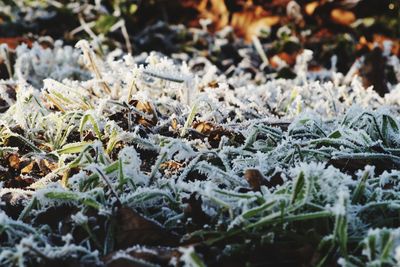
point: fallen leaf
(49, 165)
(171, 166)
(255, 179)
(135, 229)
(203, 127)
(174, 124)
(14, 161)
(310, 7)
(216, 11)
(257, 26)
(343, 17)
(28, 168)
(146, 108)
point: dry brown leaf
(203, 127)
(310, 7)
(343, 17)
(28, 168)
(213, 84)
(174, 124)
(135, 229)
(46, 165)
(216, 11)
(147, 108)
(247, 23)
(14, 161)
(256, 27)
(171, 165)
(255, 179)
(144, 106)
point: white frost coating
(131, 165)
(341, 206)
(329, 183)
(36, 64)
(187, 257)
(80, 218)
(397, 255)
(213, 175)
(301, 67)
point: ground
(199, 133)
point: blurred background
(338, 32)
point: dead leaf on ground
(216, 11)
(215, 132)
(174, 124)
(40, 167)
(147, 108)
(250, 23)
(343, 17)
(255, 179)
(14, 161)
(310, 7)
(134, 229)
(19, 181)
(172, 165)
(203, 127)
(28, 168)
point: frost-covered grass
(303, 168)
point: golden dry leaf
(216, 11)
(343, 17)
(46, 164)
(213, 84)
(171, 165)
(174, 124)
(146, 108)
(252, 21)
(256, 27)
(28, 168)
(14, 161)
(247, 23)
(310, 7)
(203, 127)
